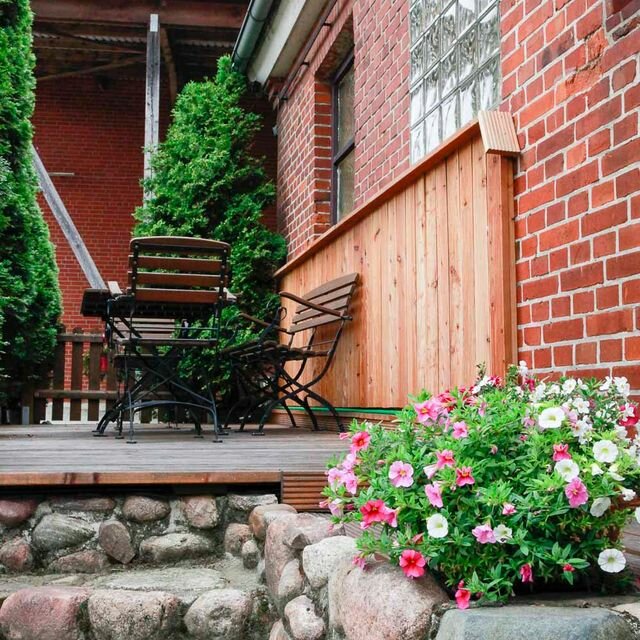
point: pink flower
(336, 507)
(462, 596)
(561, 452)
(334, 477)
(428, 411)
(412, 563)
(576, 492)
(390, 516)
(484, 534)
(508, 509)
(445, 459)
(464, 476)
(493, 449)
(401, 474)
(568, 568)
(446, 399)
(482, 409)
(372, 511)
(360, 441)
(434, 494)
(350, 482)
(349, 462)
(345, 435)
(359, 561)
(430, 470)
(460, 430)
(526, 573)
(418, 538)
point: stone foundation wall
(238, 567)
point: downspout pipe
(250, 31)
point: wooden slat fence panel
(436, 293)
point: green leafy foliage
(29, 294)
(207, 183)
(497, 487)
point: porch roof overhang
(273, 35)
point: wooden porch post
(152, 105)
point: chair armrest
(311, 305)
(262, 323)
(114, 288)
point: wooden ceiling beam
(101, 68)
(185, 13)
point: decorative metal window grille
(455, 67)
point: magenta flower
(460, 430)
(390, 516)
(430, 470)
(445, 459)
(412, 563)
(401, 474)
(526, 573)
(482, 409)
(568, 568)
(462, 596)
(508, 509)
(576, 492)
(464, 476)
(360, 441)
(428, 411)
(434, 494)
(360, 561)
(372, 511)
(484, 534)
(561, 452)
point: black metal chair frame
(262, 367)
(149, 363)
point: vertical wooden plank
(481, 255)
(429, 285)
(95, 351)
(57, 408)
(76, 374)
(456, 265)
(413, 225)
(511, 322)
(375, 349)
(466, 261)
(444, 344)
(404, 299)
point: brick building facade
(570, 79)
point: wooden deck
(63, 455)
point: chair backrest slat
(169, 263)
(335, 295)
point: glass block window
(455, 67)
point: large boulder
(201, 512)
(262, 516)
(115, 539)
(241, 505)
(134, 615)
(235, 536)
(96, 504)
(250, 554)
(381, 603)
(43, 613)
(56, 531)
(301, 618)
(16, 555)
(308, 529)
(276, 553)
(319, 560)
(145, 509)
(175, 546)
(290, 585)
(278, 632)
(89, 561)
(534, 623)
(220, 614)
(15, 512)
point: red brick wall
(381, 53)
(570, 78)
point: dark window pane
(345, 109)
(344, 186)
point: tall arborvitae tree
(207, 183)
(29, 292)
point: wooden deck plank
(70, 455)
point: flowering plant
(497, 484)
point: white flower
(539, 392)
(567, 469)
(613, 472)
(554, 389)
(606, 385)
(622, 386)
(596, 470)
(637, 512)
(611, 560)
(627, 494)
(437, 526)
(580, 405)
(581, 385)
(551, 418)
(581, 429)
(502, 533)
(605, 451)
(523, 369)
(599, 506)
(621, 433)
(568, 386)
(519, 391)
